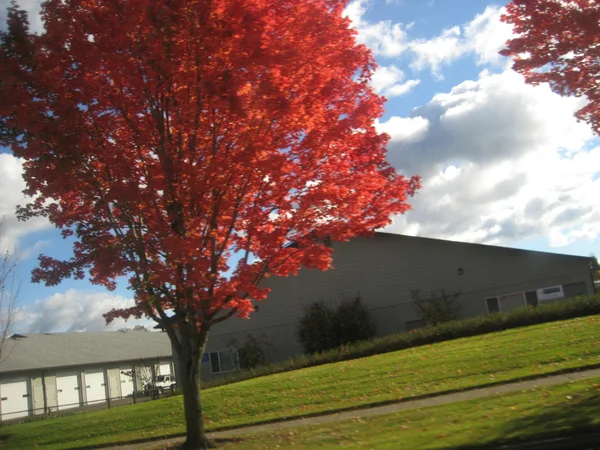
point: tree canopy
(184, 144)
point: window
(504, 303)
(224, 361)
(550, 293)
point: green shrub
(546, 312)
(322, 327)
(315, 329)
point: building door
(114, 383)
(15, 399)
(95, 387)
(126, 381)
(37, 401)
(68, 391)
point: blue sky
(502, 163)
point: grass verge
(540, 413)
(427, 370)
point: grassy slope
(563, 410)
(459, 364)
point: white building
(59, 371)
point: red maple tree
(185, 143)
(558, 42)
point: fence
(81, 406)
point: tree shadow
(150, 443)
(571, 425)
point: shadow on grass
(571, 425)
(154, 443)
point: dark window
(215, 367)
(531, 298)
(243, 357)
(224, 361)
(551, 290)
(492, 304)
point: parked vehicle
(161, 383)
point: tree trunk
(192, 349)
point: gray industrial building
(52, 372)
(383, 270)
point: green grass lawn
(447, 366)
(546, 412)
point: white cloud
(355, 10)
(501, 161)
(12, 186)
(389, 81)
(34, 249)
(74, 310)
(486, 35)
(482, 38)
(401, 89)
(433, 53)
(384, 38)
(404, 129)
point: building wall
(383, 270)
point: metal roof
(52, 350)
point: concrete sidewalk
(442, 399)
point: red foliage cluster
(558, 42)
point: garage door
(164, 369)
(67, 391)
(126, 382)
(15, 399)
(94, 387)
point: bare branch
(9, 288)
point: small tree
(323, 327)
(594, 268)
(438, 307)
(9, 288)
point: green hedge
(324, 327)
(547, 312)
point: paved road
(443, 399)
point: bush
(252, 352)
(546, 312)
(322, 327)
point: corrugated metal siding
(383, 269)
